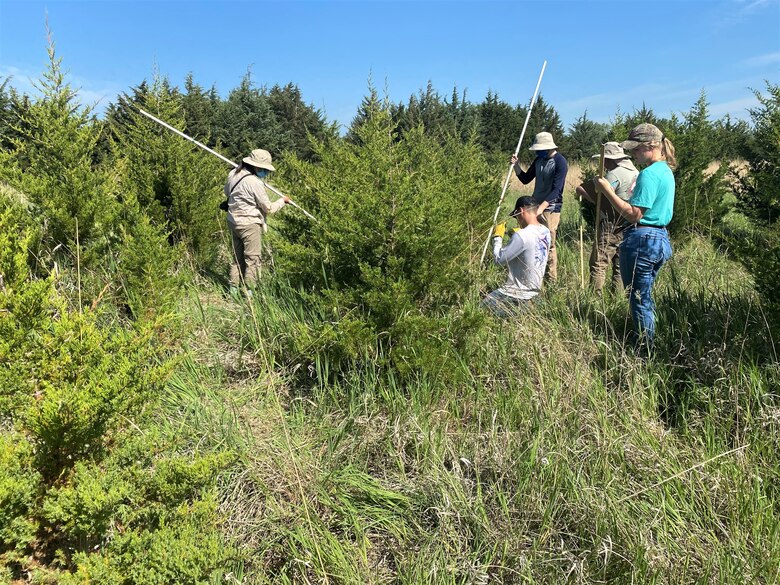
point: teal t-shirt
(654, 192)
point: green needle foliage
(57, 137)
(171, 180)
(360, 419)
(400, 220)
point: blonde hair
(667, 151)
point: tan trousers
(604, 253)
(552, 220)
(246, 263)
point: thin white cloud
(88, 93)
(761, 60)
(749, 7)
(737, 11)
(735, 108)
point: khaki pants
(604, 253)
(246, 253)
(552, 220)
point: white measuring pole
(509, 174)
(227, 160)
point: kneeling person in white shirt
(525, 257)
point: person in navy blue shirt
(549, 170)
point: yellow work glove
(500, 230)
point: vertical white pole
(509, 174)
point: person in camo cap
(646, 246)
(621, 175)
(549, 170)
(248, 207)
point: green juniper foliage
(699, 196)
(400, 219)
(83, 488)
(57, 137)
(584, 139)
(173, 181)
(758, 195)
(360, 419)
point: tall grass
(549, 455)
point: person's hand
(287, 199)
(514, 159)
(600, 183)
(500, 230)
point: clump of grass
(550, 455)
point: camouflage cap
(642, 134)
(612, 150)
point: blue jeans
(642, 253)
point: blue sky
(602, 55)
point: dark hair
(524, 202)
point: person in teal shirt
(646, 246)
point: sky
(602, 55)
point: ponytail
(667, 150)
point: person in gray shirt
(621, 174)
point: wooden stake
(598, 195)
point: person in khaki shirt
(248, 207)
(621, 175)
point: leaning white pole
(183, 135)
(215, 153)
(293, 203)
(509, 174)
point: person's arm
(502, 255)
(524, 176)
(559, 179)
(587, 191)
(624, 208)
(264, 202)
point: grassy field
(543, 451)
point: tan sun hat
(260, 159)
(642, 134)
(612, 150)
(543, 141)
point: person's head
(544, 145)
(613, 154)
(525, 211)
(258, 162)
(647, 144)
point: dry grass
(553, 461)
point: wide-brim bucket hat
(543, 141)
(642, 134)
(612, 150)
(260, 159)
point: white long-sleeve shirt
(525, 257)
(248, 201)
